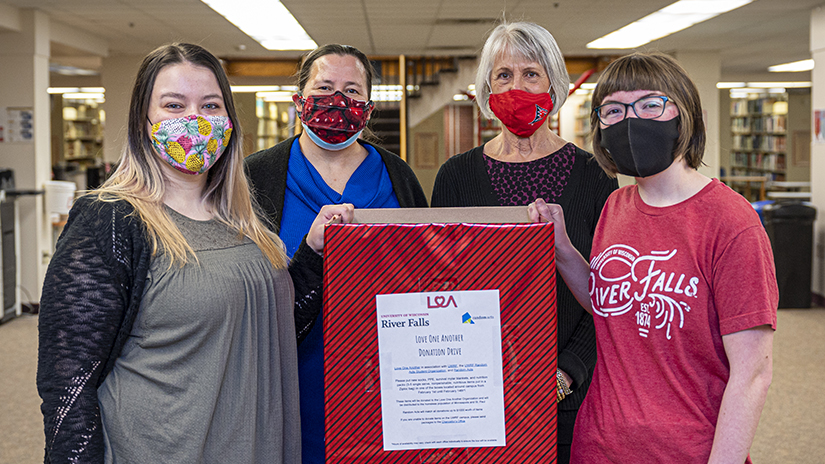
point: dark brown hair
(659, 72)
(305, 71)
(335, 49)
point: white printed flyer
(441, 370)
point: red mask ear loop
(299, 99)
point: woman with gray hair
(522, 80)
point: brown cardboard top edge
(465, 215)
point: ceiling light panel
(796, 66)
(672, 18)
(266, 21)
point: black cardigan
(91, 295)
(463, 181)
(267, 169)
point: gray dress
(209, 373)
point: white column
(24, 73)
(818, 149)
(705, 69)
(118, 77)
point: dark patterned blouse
(518, 184)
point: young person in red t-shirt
(681, 283)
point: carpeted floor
(21, 425)
(791, 429)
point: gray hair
(532, 42)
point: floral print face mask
(192, 144)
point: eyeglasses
(646, 108)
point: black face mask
(641, 147)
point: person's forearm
(307, 273)
(577, 357)
(738, 418)
(741, 407)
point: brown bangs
(656, 72)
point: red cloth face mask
(520, 111)
(334, 118)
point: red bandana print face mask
(334, 118)
(521, 112)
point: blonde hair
(139, 177)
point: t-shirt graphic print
(640, 284)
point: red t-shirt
(666, 284)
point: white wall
(818, 149)
(118, 77)
(24, 72)
(9, 18)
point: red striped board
(365, 260)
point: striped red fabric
(364, 260)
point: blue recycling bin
(759, 206)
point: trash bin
(59, 196)
(790, 230)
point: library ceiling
(763, 33)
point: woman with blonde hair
(166, 326)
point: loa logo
(441, 302)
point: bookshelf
(83, 131)
(759, 145)
(582, 129)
